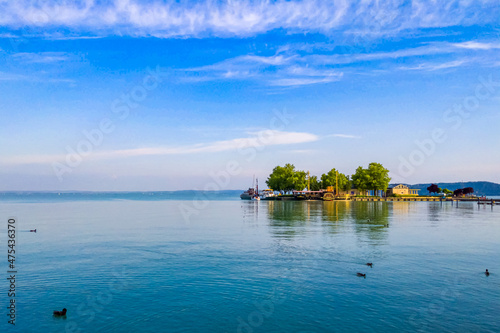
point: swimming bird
(60, 313)
(361, 274)
(34, 230)
(487, 273)
(369, 264)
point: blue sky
(168, 95)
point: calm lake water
(166, 265)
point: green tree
(348, 184)
(378, 177)
(315, 183)
(278, 180)
(299, 181)
(330, 179)
(375, 178)
(361, 179)
(446, 191)
(286, 178)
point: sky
(125, 95)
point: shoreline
(389, 199)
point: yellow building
(402, 190)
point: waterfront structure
(401, 190)
(354, 191)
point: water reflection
(291, 218)
(336, 211)
(250, 211)
(371, 219)
(433, 210)
(371, 213)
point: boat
(251, 193)
(267, 194)
(248, 194)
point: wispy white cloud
(42, 57)
(287, 71)
(303, 81)
(345, 136)
(257, 139)
(33, 77)
(8, 35)
(248, 62)
(13, 77)
(324, 54)
(275, 60)
(437, 66)
(305, 64)
(243, 17)
(430, 49)
(475, 45)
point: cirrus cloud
(241, 18)
(257, 139)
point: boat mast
(308, 181)
(336, 182)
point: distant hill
(480, 188)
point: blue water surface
(208, 265)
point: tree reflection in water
(293, 218)
(371, 218)
(289, 218)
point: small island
(366, 184)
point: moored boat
(267, 194)
(248, 194)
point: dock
(488, 202)
(330, 196)
(397, 199)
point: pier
(397, 199)
(330, 196)
(488, 202)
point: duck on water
(60, 313)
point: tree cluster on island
(463, 191)
(458, 192)
(286, 178)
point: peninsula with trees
(371, 182)
(374, 178)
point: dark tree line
(434, 189)
(463, 191)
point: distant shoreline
(481, 188)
